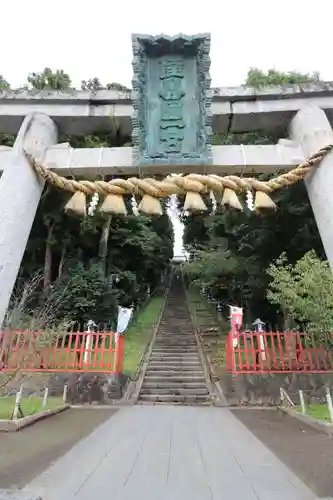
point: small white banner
(236, 310)
(124, 316)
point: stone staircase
(175, 373)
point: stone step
(174, 340)
(174, 379)
(176, 320)
(168, 347)
(174, 353)
(175, 350)
(174, 332)
(171, 336)
(175, 368)
(175, 373)
(167, 344)
(176, 347)
(178, 362)
(173, 403)
(177, 391)
(171, 385)
(174, 398)
(176, 327)
(175, 335)
(179, 343)
(173, 314)
(177, 358)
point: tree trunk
(289, 339)
(62, 261)
(103, 243)
(48, 260)
(286, 320)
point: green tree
(117, 86)
(86, 294)
(80, 258)
(305, 291)
(257, 78)
(92, 84)
(4, 85)
(50, 80)
(245, 243)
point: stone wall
(264, 389)
(83, 388)
(89, 388)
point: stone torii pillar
(20, 192)
(312, 130)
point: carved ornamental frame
(201, 45)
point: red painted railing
(69, 352)
(275, 352)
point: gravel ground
(306, 451)
(27, 453)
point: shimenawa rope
(192, 185)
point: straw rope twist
(196, 183)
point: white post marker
(17, 403)
(46, 394)
(301, 398)
(64, 394)
(89, 341)
(260, 328)
(116, 335)
(262, 347)
(329, 403)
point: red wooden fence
(74, 351)
(277, 352)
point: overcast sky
(93, 38)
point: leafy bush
(305, 291)
(86, 293)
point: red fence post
(227, 352)
(119, 355)
(230, 353)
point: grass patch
(201, 313)
(139, 334)
(205, 318)
(319, 412)
(29, 405)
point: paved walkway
(170, 453)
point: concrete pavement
(170, 452)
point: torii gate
(173, 107)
